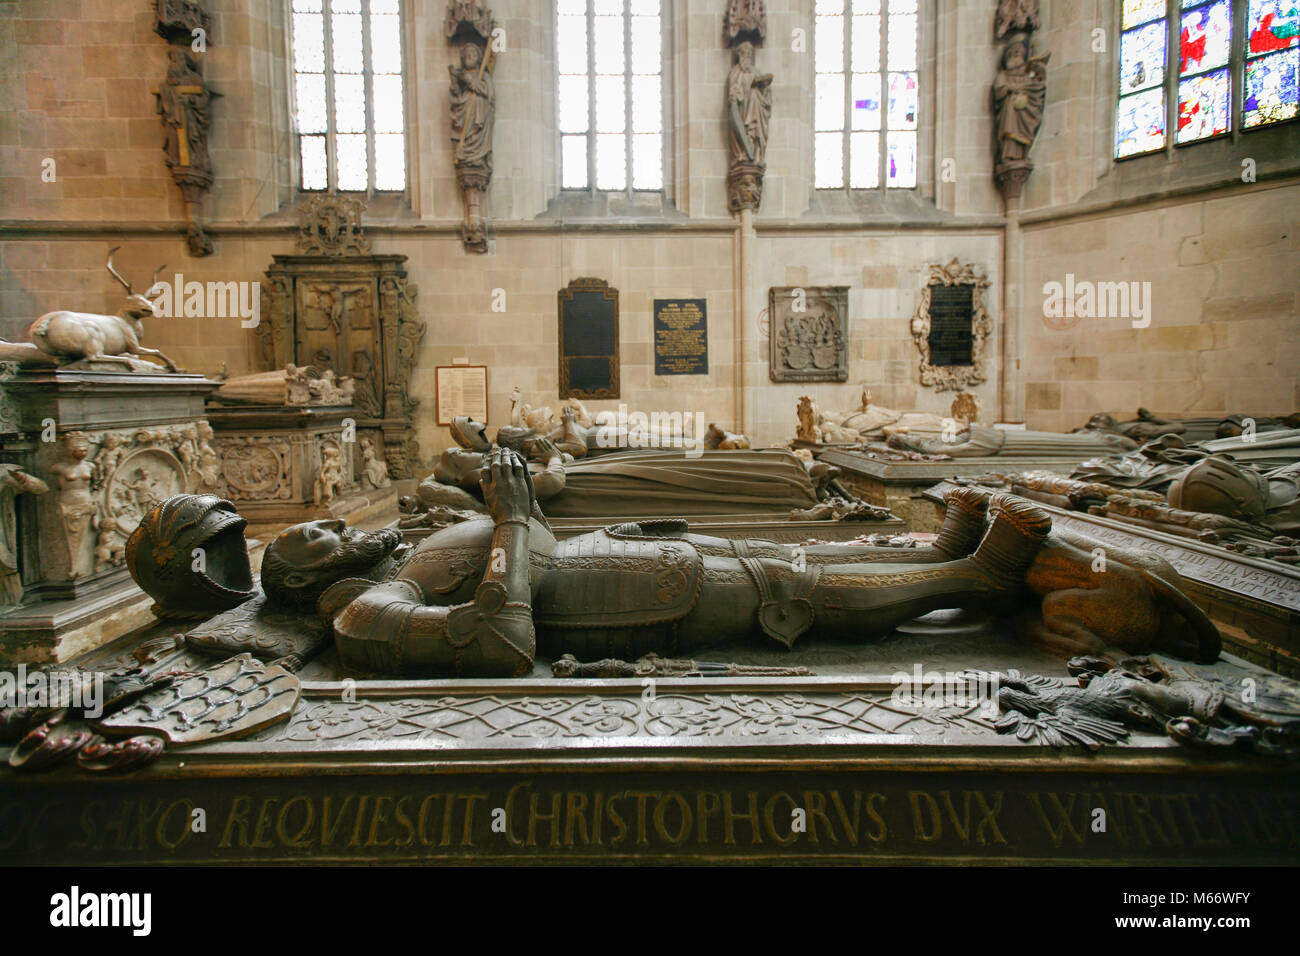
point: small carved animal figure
(1096, 599)
(719, 438)
(77, 335)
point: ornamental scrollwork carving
(331, 226)
(954, 377)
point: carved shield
(230, 699)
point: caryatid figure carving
(473, 110)
(1019, 92)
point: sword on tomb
(652, 665)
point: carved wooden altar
(336, 306)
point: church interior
(650, 430)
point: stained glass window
(348, 92)
(1272, 62)
(1181, 68)
(865, 101)
(610, 94)
(1140, 116)
(1204, 44)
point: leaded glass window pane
(883, 93)
(611, 71)
(350, 106)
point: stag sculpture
(69, 336)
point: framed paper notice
(462, 390)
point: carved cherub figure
(330, 477)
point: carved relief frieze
(256, 468)
(106, 481)
(954, 377)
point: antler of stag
(116, 275)
(152, 292)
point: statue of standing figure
(749, 112)
(185, 104)
(473, 110)
(74, 474)
(1019, 92)
(13, 482)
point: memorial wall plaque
(809, 334)
(951, 326)
(461, 390)
(588, 340)
(952, 307)
(681, 337)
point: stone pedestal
(108, 446)
(271, 458)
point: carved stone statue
(1019, 92)
(374, 470)
(13, 482)
(72, 336)
(976, 441)
(73, 474)
(473, 110)
(185, 104)
(330, 477)
(749, 112)
(808, 429)
(481, 597)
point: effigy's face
(307, 544)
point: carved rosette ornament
(473, 111)
(749, 104)
(954, 377)
(185, 105)
(1019, 93)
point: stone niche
(356, 315)
(105, 446)
(809, 333)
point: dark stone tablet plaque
(681, 337)
(588, 339)
(952, 312)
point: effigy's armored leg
(853, 601)
(963, 523)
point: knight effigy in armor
(482, 598)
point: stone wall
(1220, 253)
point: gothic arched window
(350, 107)
(868, 94)
(1202, 67)
(609, 57)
